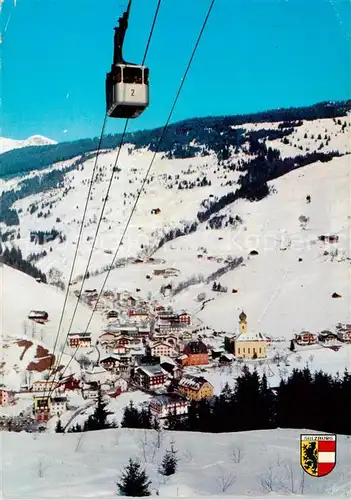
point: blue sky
(254, 55)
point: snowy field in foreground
(88, 465)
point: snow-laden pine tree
(169, 462)
(134, 481)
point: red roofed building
(196, 354)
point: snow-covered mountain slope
(292, 266)
(246, 464)
(280, 293)
(62, 208)
(7, 144)
(19, 294)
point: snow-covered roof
(167, 359)
(250, 337)
(192, 382)
(151, 370)
(167, 399)
(115, 358)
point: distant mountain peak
(7, 144)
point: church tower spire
(243, 322)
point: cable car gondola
(127, 84)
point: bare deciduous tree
(269, 481)
(160, 434)
(143, 445)
(225, 481)
(299, 485)
(236, 454)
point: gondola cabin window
(132, 75)
(117, 76)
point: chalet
(124, 359)
(144, 331)
(42, 407)
(139, 314)
(82, 339)
(43, 385)
(148, 358)
(150, 377)
(124, 340)
(128, 330)
(90, 390)
(58, 405)
(343, 332)
(170, 340)
(216, 353)
(107, 338)
(112, 314)
(168, 404)
(226, 358)
(161, 349)
(171, 368)
(110, 362)
(131, 301)
(249, 345)
(6, 396)
(170, 271)
(183, 318)
(38, 315)
(331, 238)
(122, 383)
(166, 273)
(328, 337)
(195, 388)
(121, 349)
(196, 354)
(305, 338)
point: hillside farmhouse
(82, 339)
(38, 315)
(305, 338)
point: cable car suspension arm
(120, 33)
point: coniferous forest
(13, 257)
(215, 133)
(304, 400)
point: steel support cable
(78, 242)
(104, 203)
(147, 173)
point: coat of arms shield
(318, 453)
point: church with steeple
(248, 344)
